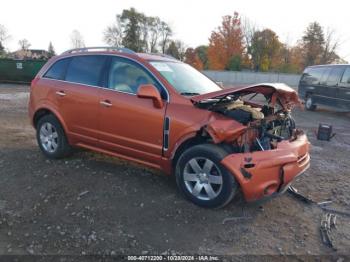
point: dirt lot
(92, 204)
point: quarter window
(325, 75)
(57, 70)
(346, 76)
(312, 76)
(86, 70)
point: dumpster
(19, 71)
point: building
(36, 54)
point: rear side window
(86, 70)
(335, 76)
(58, 69)
(346, 76)
(312, 76)
(325, 75)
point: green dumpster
(19, 71)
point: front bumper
(264, 173)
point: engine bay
(266, 120)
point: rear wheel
(203, 179)
(51, 137)
(309, 103)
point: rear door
(78, 95)
(343, 90)
(322, 95)
(331, 86)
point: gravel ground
(90, 204)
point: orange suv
(162, 113)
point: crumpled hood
(287, 96)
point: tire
(202, 179)
(51, 138)
(309, 103)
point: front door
(130, 126)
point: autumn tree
(77, 40)
(202, 52)
(191, 57)
(24, 44)
(265, 49)
(51, 50)
(296, 59)
(225, 43)
(289, 59)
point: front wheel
(203, 179)
(309, 103)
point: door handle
(60, 93)
(106, 103)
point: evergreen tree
(313, 44)
(51, 50)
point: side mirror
(150, 91)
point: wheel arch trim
(51, 110)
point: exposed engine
(266, 133)
(266, 125)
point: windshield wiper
(189, 94)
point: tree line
(236, 44)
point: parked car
(162, 113)
(325, 85)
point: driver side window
(125, 76)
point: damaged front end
(254, 124)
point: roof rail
(94, 48)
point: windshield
(185, 79)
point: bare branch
(77, 40)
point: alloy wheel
(202, 178)
(48, 137)
(308, 102)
